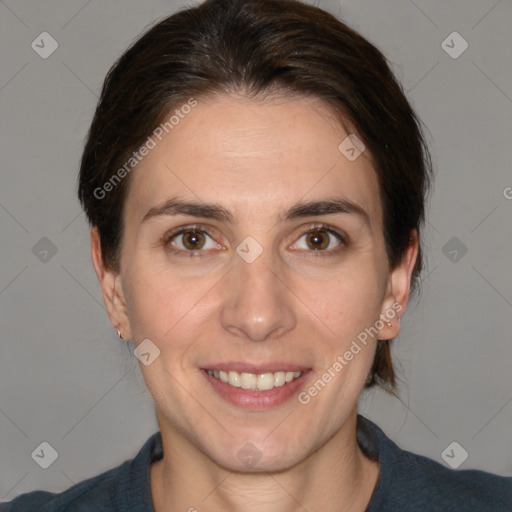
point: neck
(336, 476)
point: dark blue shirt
(407, 483)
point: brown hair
(258, 47)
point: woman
(255, 182)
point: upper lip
(242, 367)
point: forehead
(249, 154)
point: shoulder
(410, 482)
(428, 482)
(125, 487)
(95, 493)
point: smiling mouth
(253, 381)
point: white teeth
(265, 381)
(248, 381)
(255, 382)
(234, 379)
(279, 379)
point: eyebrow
(175, 206)
(329, 206)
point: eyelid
(181, 230)
(311, 228)
(340, 235)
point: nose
(256, 305)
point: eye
(320, 238)
(190, 239)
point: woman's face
(253, 245)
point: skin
(293, 304)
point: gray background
(64, 376)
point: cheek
(164, 306)
(347, 302)
(350, 307)
(155, 303)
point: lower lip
(256, 400)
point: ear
(398, 291)
(111, 288)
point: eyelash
(342, 238)
(181, 231)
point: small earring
(119, 334)
(389, 324)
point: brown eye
(193, 240)
(317, 240)
(322, 240)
